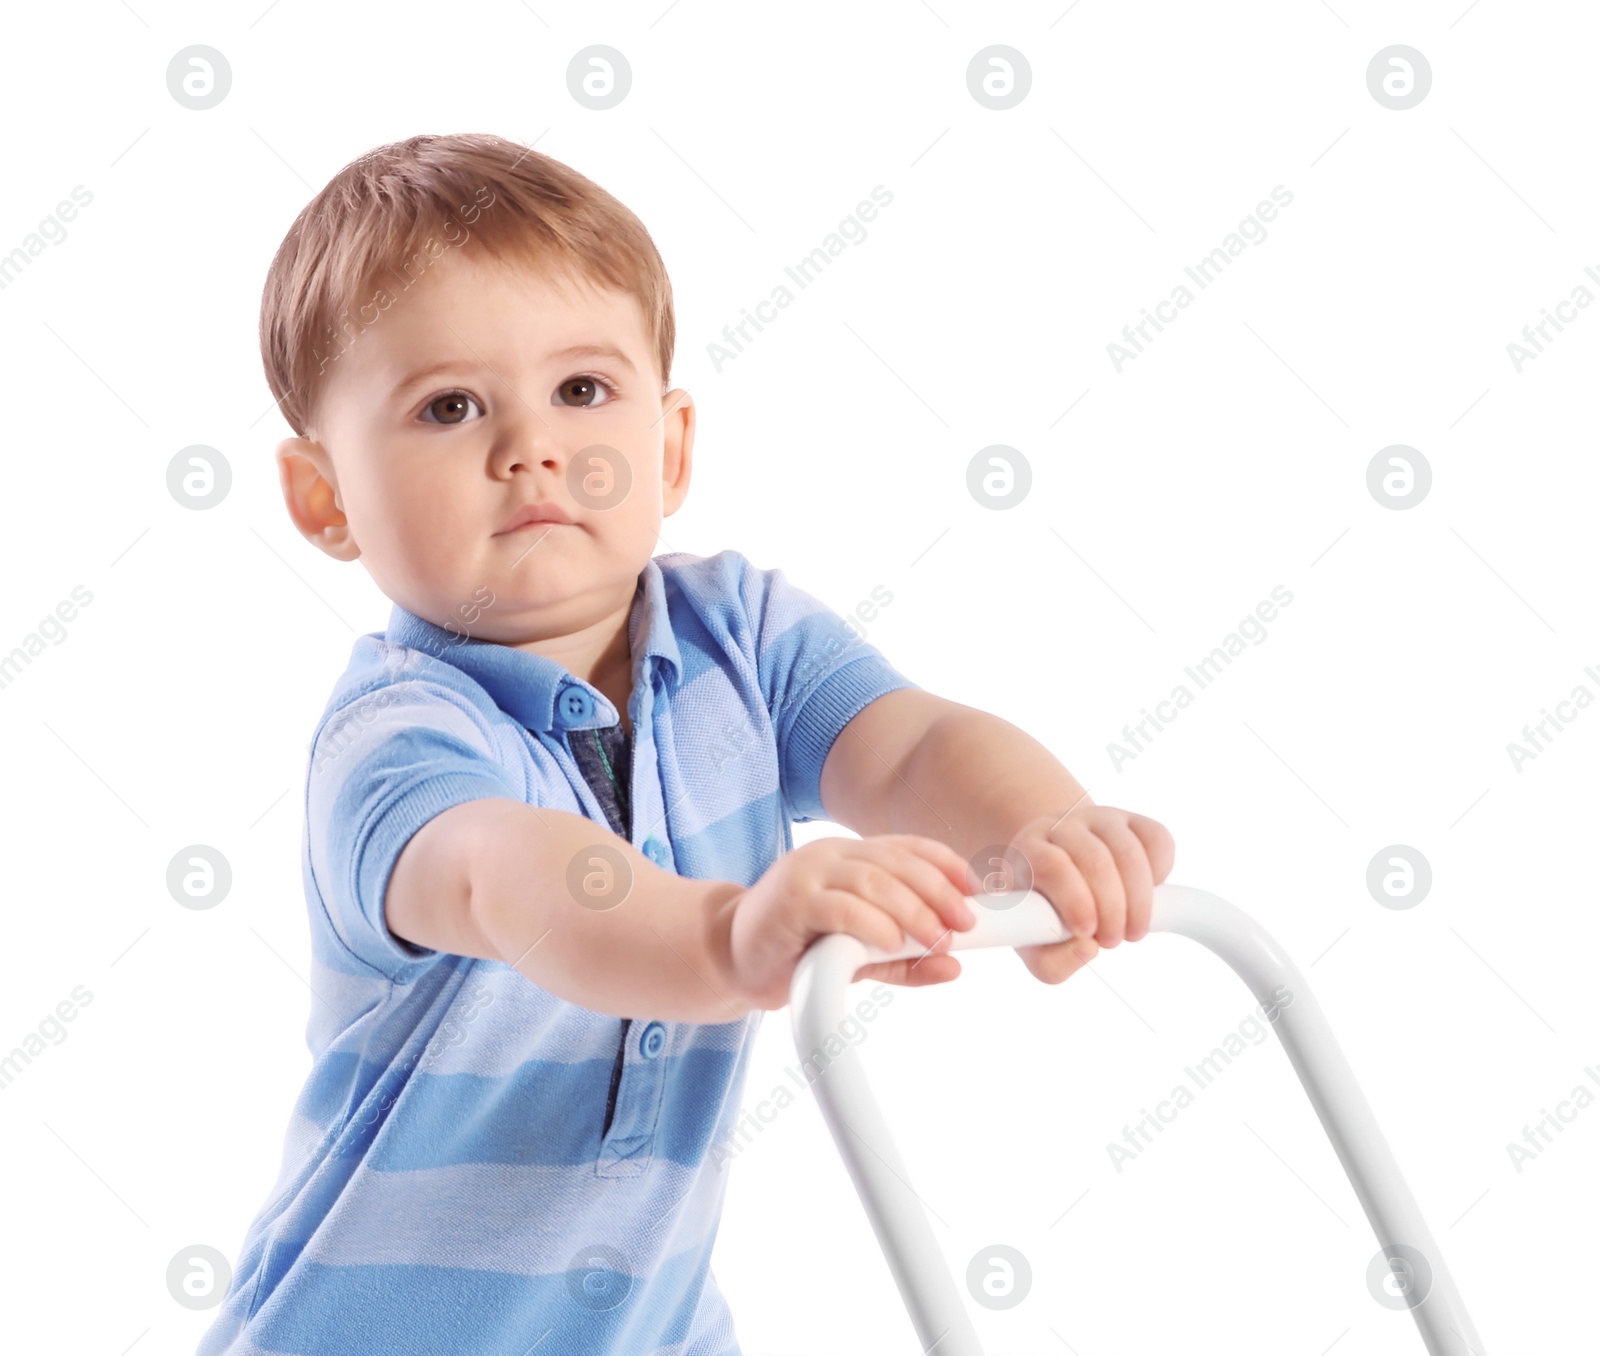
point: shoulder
(388, 689)
(384, 673)
(729, 585)
(730, 608)
(702, 579)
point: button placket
(629, 1145)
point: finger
(845, 911)
(1058, 961)
(1000, 869)
(950, 863)
(1158, 845)
(929, 873)
(1093, 858)
(1057, 878)
(1134, 868)
(876, 882)
(937, 968)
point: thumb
(1055, 961)
(913, 973)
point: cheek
(413, 512)
(645, 496)
(409, 489)
(642, 512)
(387, 508)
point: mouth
(536, 516)
(531, 526)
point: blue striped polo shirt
(475, 1165)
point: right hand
(878, 889)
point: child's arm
(913, 762)
(571, 906)
(502, 880)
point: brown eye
(450, 408)
(584, 391)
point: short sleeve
(817, 672)
(381, 767)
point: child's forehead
(464, 266)
(510, 288)
(496, 312)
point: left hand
(1098, 867)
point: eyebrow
(421, 374)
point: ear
(311, 494)
(677, 450)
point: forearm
(624, 938)
(972, 780)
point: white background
(1227, 458)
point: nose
(524, 444)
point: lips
(534, 515)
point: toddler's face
(483, 389)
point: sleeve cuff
(390, 831)
(833, 703)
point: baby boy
(547, 852)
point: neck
(599, 654)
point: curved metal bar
(818, 1004)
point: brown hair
(383, 218)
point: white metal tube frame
(818, 1003)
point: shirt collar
(526, 685)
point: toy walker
(818, 1003)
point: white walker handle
(818, 1003)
